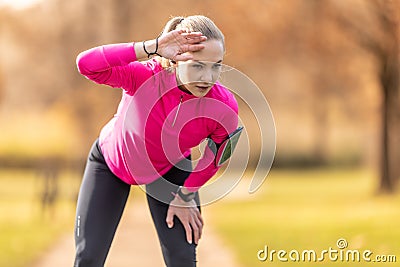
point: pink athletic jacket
(156, 123)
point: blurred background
(328, 68)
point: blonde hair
(196, 23)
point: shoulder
(154, 65)
(151, 66)
(142, 71)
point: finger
(191, 34)
(195, 47)
(200, 232)
(199, 224)
(194, 222)
(196, 40)
(188, 231)
(188, 56)
(170, 218)
(183, 57)
(198, 214)
(196, 231)
(192, 38)
(179, 31)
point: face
(199, 74)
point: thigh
(177, 252)
(101, 202)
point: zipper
(177, 110)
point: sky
(18, 4)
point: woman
(171, 102)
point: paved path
(136, 243)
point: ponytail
(171, 24)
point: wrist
(145, 49)
(185, 194)
(185, 191)
(151, 47)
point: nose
(207, 76)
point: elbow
(81, 64)
(91, 63)
(87, 61)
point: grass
(293, 210)
(304, 210)
(26, 229)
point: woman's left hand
(189, 215)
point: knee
(180, 256)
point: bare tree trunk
(390, 171)
(383, 42)
(390, 80)
(314, 11)
(386, 183)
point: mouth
(203, 87)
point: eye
(197, 66)
(217, 66)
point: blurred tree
(315, 48)
(81, 25)
(390, 80)
(85, 99)
(375, 26)
(121, 13)
(294, 51)
(321, 42)
(300, 35)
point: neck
(181, 86)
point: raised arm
(110, 64)
(117, 65)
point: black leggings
(101, 202)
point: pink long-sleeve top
(156, 123)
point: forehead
(213, 51)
